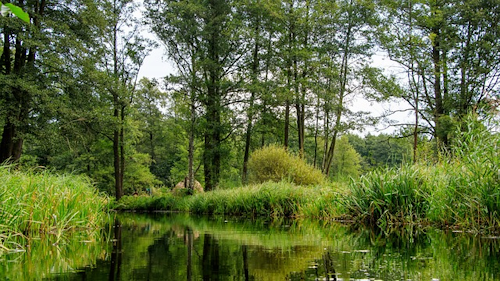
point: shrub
(274, 163)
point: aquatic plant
(269, 199)
(34, 203)
(390, 196)
(471, 195)
(460, 190)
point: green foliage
(138, 176)
(380, 151)
(471, 195)
(274, 163)
(269, 199)
(39, 202)
(346, 161)
(390, 196)
(462, 189)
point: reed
(270, 199)
(34, 203)
(390, 196)
(461, 190)
(471, 196)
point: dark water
(182, 247)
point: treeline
(249, 74)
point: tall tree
(123, 51)
(450, 52)
(35, 63)
(347, 40)
(203, 38)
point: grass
(39, 203)
(269, 199)
(461, 190)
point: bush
(274, 163)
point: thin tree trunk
(342, 93)
(254, 74)
(316, 132)
(117, 131)
(287, 123)
(192, 98)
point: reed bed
(461, 190)
(39, 203)
(270, 199)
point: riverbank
(269, 199)
(460, 189)
(444, 196)
(40, 203)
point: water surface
(183, 247)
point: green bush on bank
(33, 203)
(274, 163)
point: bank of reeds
(269, 199)
(461, 190)
(40, 203)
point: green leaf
(18, 12)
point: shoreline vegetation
(459, 190)
(40, 204)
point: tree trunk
(441, 134)
(212, 154)
(343, 87)
(254, 74)
(116, 154)
(287, 123)
(192, 97)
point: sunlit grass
(34, 203)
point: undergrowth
(35, 203)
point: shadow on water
(183, 247)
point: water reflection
(182, 247)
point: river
(185, 247)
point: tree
(347, 39)
(450, 52)
(347, 162)
(203, 38)
(37, 62)
(123, 51)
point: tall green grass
(471, 196)
(270, 199)
(34, 203)
(460, 190)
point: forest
(249, 73)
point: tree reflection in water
(180, 247)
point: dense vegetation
(250, 75)
(39, 203)
(460, 190)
